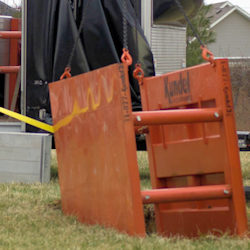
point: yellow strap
(28, 120)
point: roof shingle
(216, 11)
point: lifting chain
(126, 57)
(125, 24)
(206, 54)
(67, 70)
(138, 73)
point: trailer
(244, 140)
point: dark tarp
(52, 31)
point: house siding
(169, 48)
(232, 37)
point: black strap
(136, 7)
(78, 34)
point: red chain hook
(126, 57)
(207, 55)
(66, 73)
(138, 73)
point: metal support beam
(24, 60)
(176, 116)
(186, 194)
(10, 34)
(9, 69)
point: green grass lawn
(31, 218)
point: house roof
(7, 10)
(220, 11)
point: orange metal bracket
(207, 55)
(126, 57)
(138, 73)
(66, 73)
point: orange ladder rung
(186, 194)
(10, 34)
(9, 69)
(177, 116)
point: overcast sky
(12, 2)
(244, 4)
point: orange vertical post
(232, 173)
(14, 57)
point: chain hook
(66, 73)
(207, 55)
(126, 57)
(138, 73)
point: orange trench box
(192, 146)
(96, 149)
(195, 155)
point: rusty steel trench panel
(197, 155)
(96, 149)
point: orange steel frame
(14, 56)
(199, 156)
(192, 145)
